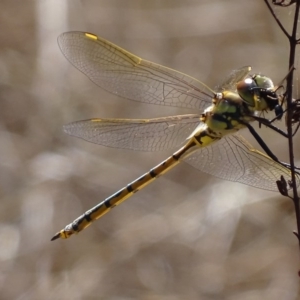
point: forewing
(143, 135)
(233, 78)
(233, 158)
(122, 73)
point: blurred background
(187, 235)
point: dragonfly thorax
(227, 114)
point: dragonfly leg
(268, 124)
(264, 145)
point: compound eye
(263, 82)
(246, 90)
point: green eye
(259, 92)
(267, 93)
(247, 89)
(263, 82)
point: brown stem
(276, 19)
(293, 44)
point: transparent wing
(229, 84)
(122, 73)
(143, 135)
(233, 158)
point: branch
(290, 113)
(276, 19)
(292, 106)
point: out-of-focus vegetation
(187, 235)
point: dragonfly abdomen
(105, 206)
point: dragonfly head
(259, 93)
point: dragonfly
(207, 140)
